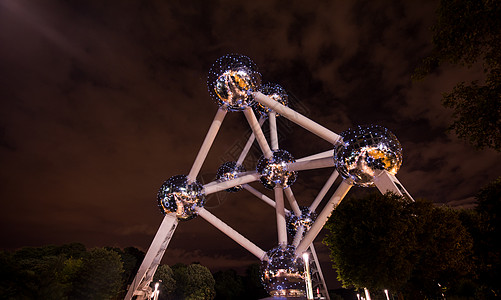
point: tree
(487, 246)
(165, 276)
(467, 32)
(444, 254)
(100, 276)
(253, 286)
(372, 242)
(386, 241)
(229, 285)
(194, 282)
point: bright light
(155, 293)
(386, 293)
(309, 288)
(306, 257)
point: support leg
(140, 285)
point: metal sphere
(231, 79)
(365, 150)
(306, 219)
(283, 273)
(275, 92)
(274, 170)
(178, 196)
(227, 171)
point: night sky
(101, 101)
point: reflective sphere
(275, 92)
(231, 79)
(274, 170)
(177, 196)
(283, 273)
(306, 219)
(367, 149)
(227, 171)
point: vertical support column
(273, 130)
(140, 284)
(280, 213)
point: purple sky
(100, 102)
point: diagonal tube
(243, 178)
(297, 118)
(263, 197)
(231, 233)
(322, 218)
(324, 190)
(292, 201)
(319, 163)
(248, 146)
(258, 132)
(209, 139)
(328, 153)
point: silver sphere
(306, 220)
(283, 273)
(227, 171)
(367, 149)
(178, 196)
(274, 170)
(231, 79)
(275, 92)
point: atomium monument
(364, 156)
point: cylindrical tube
(322, 218)
(209, 139)
(258, 132)
(230, 232)
(297, 118)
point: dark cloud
(100, 103)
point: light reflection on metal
(274, 170)
(275, 92)
(282, 274)
(231, 80)
(227, 171)
(360, 154)
(366, 149)
(306, 219)
(309, 289)
(178, 196)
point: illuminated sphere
(275, 92)
(231, 79)
(227, 171)
(306, 219)
(283, 273)
(367, 149)
(178, 196)
(274, 170)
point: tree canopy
(467, 32)
(388, 242)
